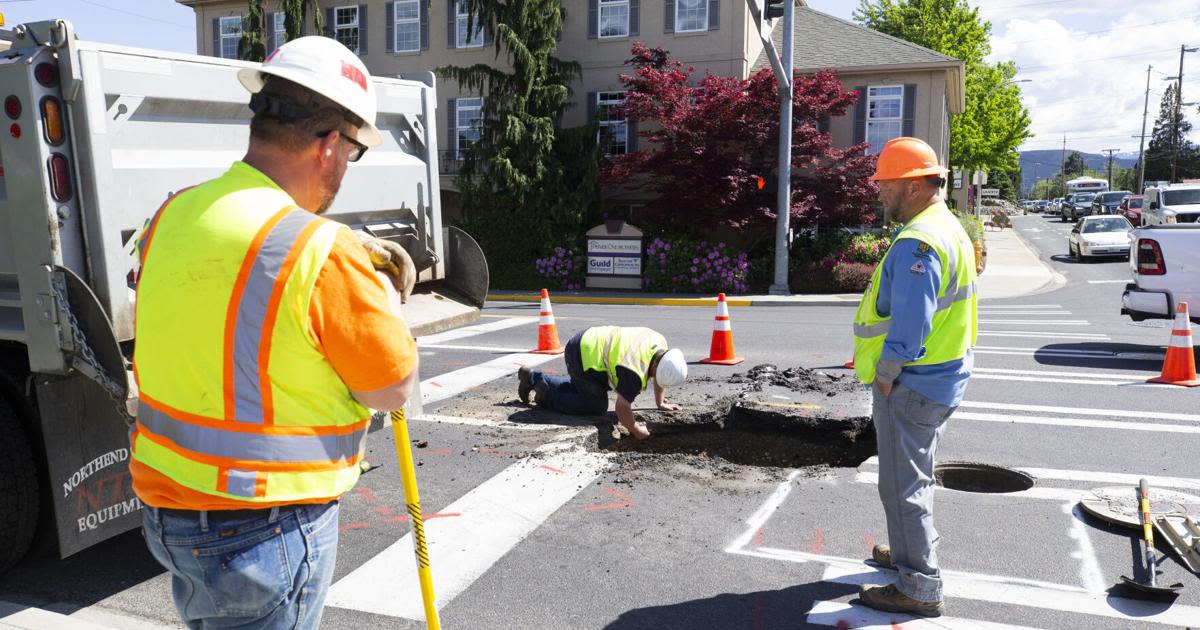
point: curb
(804, 300)
(1056, 281)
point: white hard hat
(325, 66)
(671, 370)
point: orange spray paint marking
(552, 469)
(350, 526)
(625, 501)
(818, 542)
(759, 536)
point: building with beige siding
(905, 89)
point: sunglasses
(357, 148)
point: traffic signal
(774, 9)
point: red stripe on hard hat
(354, 74)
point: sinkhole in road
(791, 418)
(985, 478)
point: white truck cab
(1172, 203)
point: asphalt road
(530, 527)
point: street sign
(990, 192)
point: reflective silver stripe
(961, 293)
(864, 331)
(251, 446)
(241, 482)
(252, 314)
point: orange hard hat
(903, 158)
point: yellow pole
(408, 475)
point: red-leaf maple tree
(712, 141)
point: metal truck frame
(98, 137)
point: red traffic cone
(547, 329)
(1179, 368)
(721, 352)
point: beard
(331, 184)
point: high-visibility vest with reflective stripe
(236, 398)
(955, 322)
(605, 348)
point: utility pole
(782, 65)
(1110, 153)
(1063, 165)
(1178, 110)
(1141, 185)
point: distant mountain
(1046, 163)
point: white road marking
(450, 384)
(1037, 493)
(1092, 477)
(1109, 281)
(489, 521)
(1100, 375)
(1019, 306)
(1040, 334)
(841, 615)
(1113, 413)
(1089, 567)
(1047, 313)
(499, 424)
(1078, 422)
(478, 329)
(1040, 322)
(763, 513)
(445, 346)
(1030, 352)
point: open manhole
(972, 477)
(790, 418)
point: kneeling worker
(606, 358)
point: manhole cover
(1119, 504)
(971, 477)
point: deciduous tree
(710, 142)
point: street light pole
(783, 200)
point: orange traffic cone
(1179, 368)
(547, 329)
(849, 365)
(721, 352)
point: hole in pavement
(972, 477)
(780, 418)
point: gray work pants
(908, 427)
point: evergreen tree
(1075, 165)
(525, 184)
(1162, 143)
(252, 46)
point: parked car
(1131, 208)
(1108, 202)
(1056, 205)
(1077, 206)
(1042, 204)
(1163, 263)
(1099, 235)
(1174, 203)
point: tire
(18, 490)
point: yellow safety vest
(236, 398)
(955, 322)
(606, 348)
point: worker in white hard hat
(265, 339)
(604, 358)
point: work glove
(393, 260)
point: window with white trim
(345, 26)
(231, 36)
(463, 39)
(279, 35)
(691, 15)
(408, 26)
(885, 115)
(614, 18)
(613, 131)
(468, 125)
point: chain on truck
(98, 137)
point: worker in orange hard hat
(913, 335)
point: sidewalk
(1013, 270)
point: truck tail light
(52, 120)
(1149, 258)
(60, 177)
(46, 73)
(12, 107)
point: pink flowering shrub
(563, 268)
(680, 265)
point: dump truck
(97, 137)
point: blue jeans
(575, 394)
(247, 569)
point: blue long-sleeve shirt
(908, 290)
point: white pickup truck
(1165, 261)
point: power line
(1108, 30)
(1094, 59)
(1018, 6)
(138, 15)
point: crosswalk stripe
(1041, 334)
(1078, 422)
(841, 615)
(478, 329)
(1039, 322)
(453, 383)
(1044, 493)
(448, 346)
(1114, 413)
(494, 517)
(1087, 476)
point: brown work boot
(524, 383)
(882, 555)
(540, 396)
(890, 599)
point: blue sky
(1086, 59)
